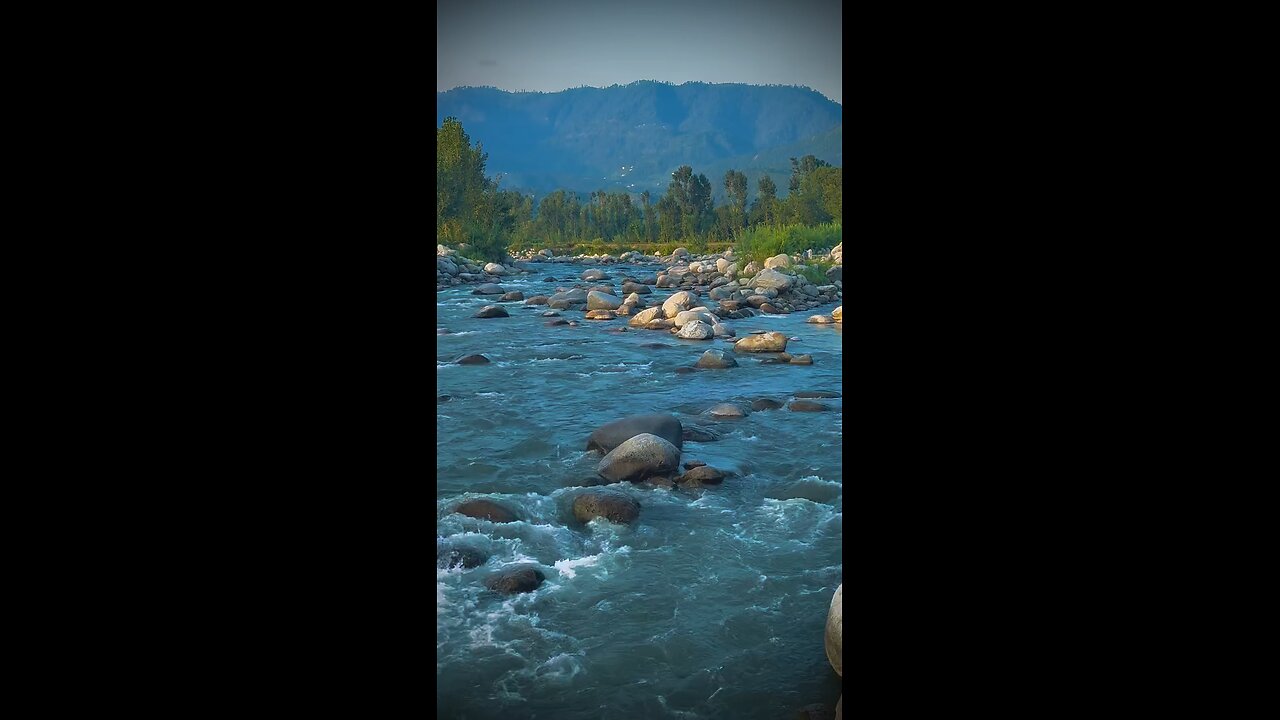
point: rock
(835, 631)
(693, 433)
(764, 342)
(722, 265)
(780, 260)
(634, 300)
(601, 289)
(536, 300)
(611, 435)
(488, 289)
(491, 311)
(637, 288)
(548, 279)
(472, 359)
(726, 410)
(704, 474)
(551, 313)
(756, 301)
(612, 506)
(682, 300)
(486, 510)
(696, 330)
(555, 323)
(639, 457)
(515, 580)
(659, 324)
(600, 315)
(693, 464)
(684, 370)
(593, 274)
(495, 269)
(817, 394)
(655, 346)
(447, 557)
(765, 404)
(679, 252)
(820, 319)
(751, 269)
(770, 309)
(772, 280)
(807, 406)
(716, 359)
(839, 702)
(512, 296)
(838, 314)
(601, 301)
(801, 359)
(643, 317)
(835, 272)
(816, 711)
(684, 317)
(723, 331)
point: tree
(802, 167)
(765, 207)
(461, 188)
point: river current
(713, 603)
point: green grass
(762, 242)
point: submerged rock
(472, 359)
(492, 311)
(515, 580)
(693, 433)
(488, 289)
(512, 296)
(716, 358)
(817, 394)
(726, 410)
(640, 457)
(807, 406)
(765, 404)
(612, 506)
(610, 435)
(486, 510)
(447, 557)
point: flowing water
(713, 603)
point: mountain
(632, 137)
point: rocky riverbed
(638, 487)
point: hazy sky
(552, 45)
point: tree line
(471, 207)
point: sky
(553, 45)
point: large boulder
(696, 330)
(602, 301)
(820, 319)
(838, 314)
(537, 300)
(639, 289)
(835, 630)
(594, 274)
(495, 269)
(492, 311)
(772, 280)
(611, 435)
(600, 315)
(682, 300)
(716, 358)
(643, 317)
(764, 342)
(515, 580)
(486, 510)
(686, 316)
(640, 457)
(780, 260)
(835, 273)
(512, 296)
(722, 265)
(488, 289)
(612, 506)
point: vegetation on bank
(472, 209)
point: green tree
(764, 209)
